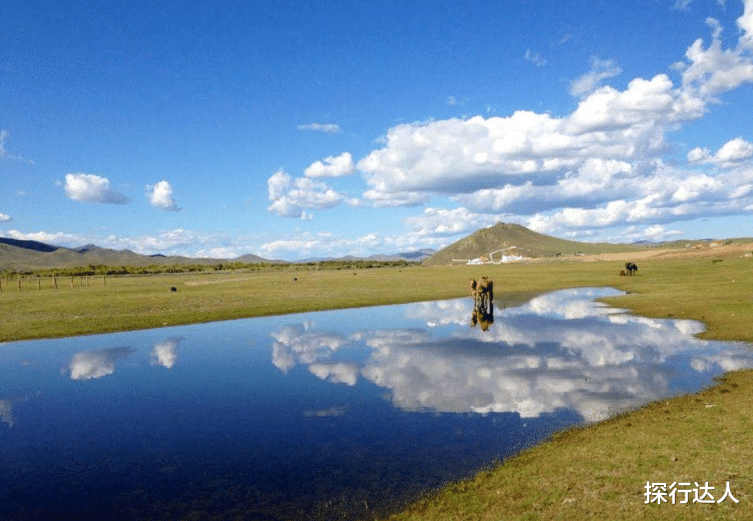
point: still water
(327, 415)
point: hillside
(519, 241)
(32, 255)
(18, 255)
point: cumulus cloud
(444, 222)
(4, 218)
(291, 197)
(731, 153)
(327, 128)
(599, 166)
(459, 156)
(600, 70)
(90, 188)
(161, 196)
(57, 238)
(745, 24)
(304, 244)
(308, 244)
(332, 166)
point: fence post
(39, 284)
(19, 283)
(54, 281)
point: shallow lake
(327, 415)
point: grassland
(592, 473)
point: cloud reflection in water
(96, 363)
(561, 350)
(165, 353)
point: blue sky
(318, 128)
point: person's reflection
(482, 316)
(483, 297)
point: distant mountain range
(494, 241)
(410, 256)
(30, 255)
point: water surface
(327, 415)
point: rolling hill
(32, 255)
(21, 255)
(520, 241)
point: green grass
(140, 302)
(596, 472)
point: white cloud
(291, 197)
(600, 71)
(3, 136)
(327, 128)
(600, 166)
(745, 23)
(56, 238)
(461, 156)
(716, 27)
(305, 244)
(189, 243)
(735, 151)
(713, 70)
(731, 153)
(4, 153)
(534, 58)
(4, 218)
(332, 166)
(90, 188)
(161, 196)
(682, 5)
(442, 222)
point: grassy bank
(592, 473)
(600, 471)
(140, 302)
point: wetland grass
(600, 471)
(594, 472)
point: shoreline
(580, 473)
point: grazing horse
(631, 268)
